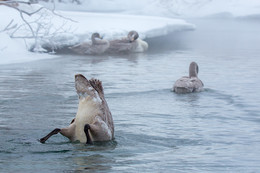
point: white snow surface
(13, 51)
(117, 25)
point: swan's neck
(94, 41)
(194, 70)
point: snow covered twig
(38, 25)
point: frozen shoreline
(111, 26)
(117, 25)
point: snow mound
(114, 25)
(14, 51)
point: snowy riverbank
(62, 32)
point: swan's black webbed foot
(86, 128)
(54, 132)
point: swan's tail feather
(97, 85)
(83, 86)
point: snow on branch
(37, 23)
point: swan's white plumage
(87, 111)
(141, 46)
(191, 83)
(130, 44)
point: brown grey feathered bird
(94, 47)
(131, 43)
(191, 83)
(93, 121)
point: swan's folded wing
(99, 47)
(122, 45)
(183, 85)
(81, 48)
(197, 84)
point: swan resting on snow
(93, 121)
(130, 44)
(191, 83)
(97, 46)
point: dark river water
(156, 130)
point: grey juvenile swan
(191, 83)
(93, 121)
(95, 47)
(131, 43)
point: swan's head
(194, 69)
(132, 36)
(96, 35)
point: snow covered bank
(114, 25)
(14, 51)
(54, 31)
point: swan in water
(131, 43)
(97, 46)
(191, 83)
(93, 121)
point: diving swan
(93, 121)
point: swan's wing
(81, 48)
(106, 117)
(101, 42)
(99, 47)
(187, 85)
(197, 84)
(84, 88)
(97, 85)
(122, 45)
(183, 85)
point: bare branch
(10, 4)
(9, 27)
(21, 11)
(53, 11)
(19, 2)
(39, 27)
(6, 28)
(21, 14)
